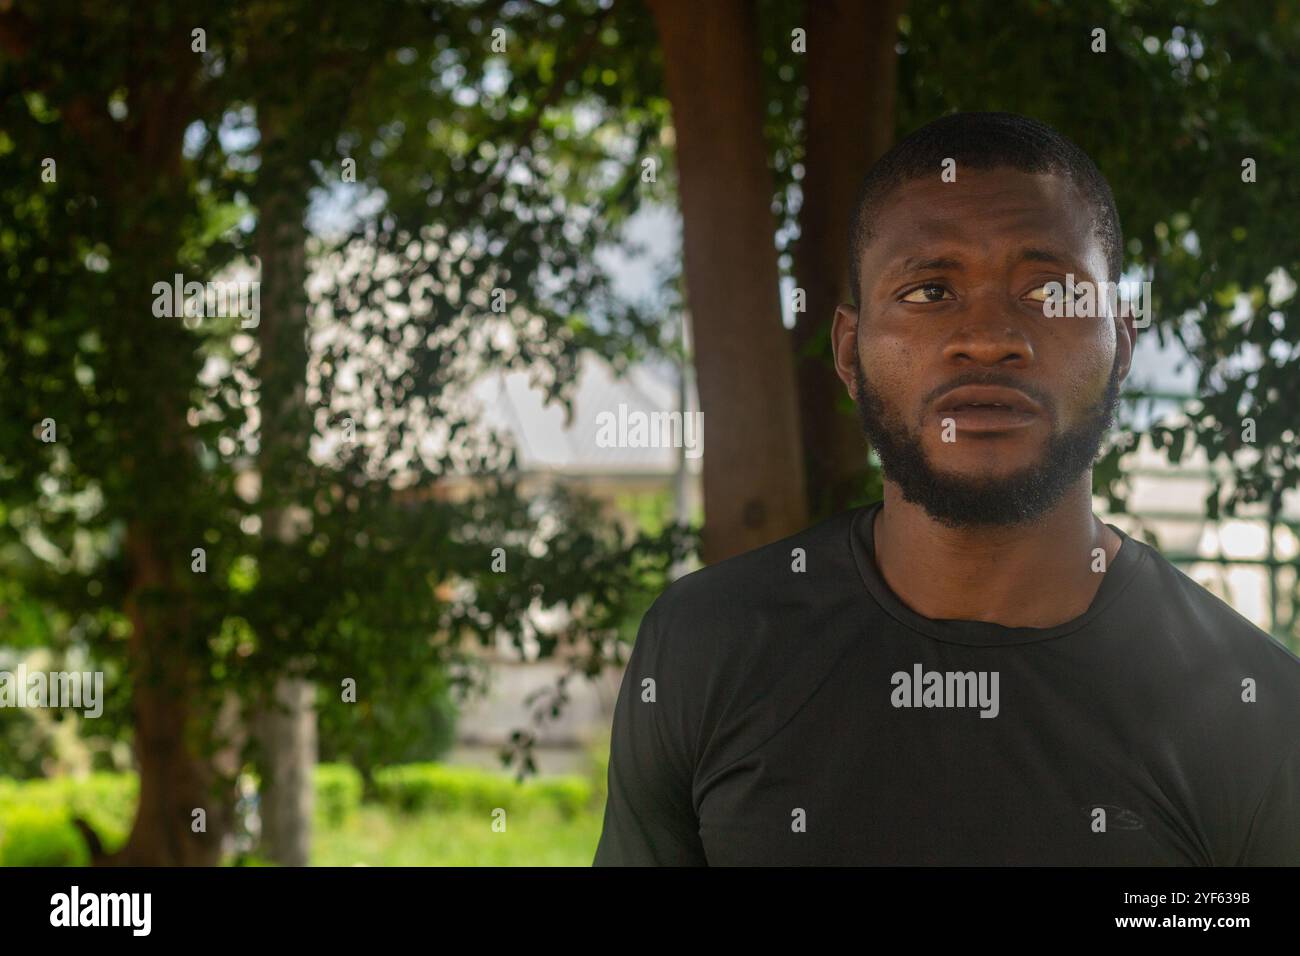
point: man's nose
(990, 339)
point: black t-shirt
(774, 716)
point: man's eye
(1052, 291)
(930, 292)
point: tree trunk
(286, 726)
(852, 79)
(183, 728)
(287, 732)
(177, 776)
(753, 468)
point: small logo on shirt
(922, 688)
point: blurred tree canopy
(160, 168)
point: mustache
(991, 377)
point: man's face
(983, 408)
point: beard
(960, 502)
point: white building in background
(624, 476)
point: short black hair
(984, 141)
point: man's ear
(1125, 341)
(844, 343)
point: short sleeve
(649, 814)
(1274, 837)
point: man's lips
(988, 408)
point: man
(976, 670)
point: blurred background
(326, 329)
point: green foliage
(410, 717)
(106, 801)
(338, 792)
(35, 835)
(569, 796)
(171, 161)
(434, 787)
(36, 816)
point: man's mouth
(987, 409)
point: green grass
(421, 815)
(377, 836)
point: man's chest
(849, 782)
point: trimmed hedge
(430, 786)
(36, 816)
(40, 836)
(338, 792)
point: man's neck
(1034, 575)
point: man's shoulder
(769, 575)
(1201, 621)
(744, 642)
(764, 604)
(1222, 696)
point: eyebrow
(926, 264)
(1042, 255)
(935, 263)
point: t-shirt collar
(862, 545)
